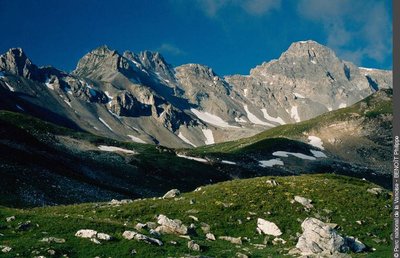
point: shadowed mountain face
(142, 98)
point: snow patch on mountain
(48, 84)
(114, 149)
(211, 119)
(342, 105)
(240, 120)
(255, 120)
(180, 135)
(298, 95)
(110, 98)
(209, 136)
(272, 119)
(104, 122)
(192, 158)
(228, 162)
(270, 163)
(285, 154)
(9, 87)
(136, 139)
(318, 154)
(20, 108)
(295, 114)
(315, 141)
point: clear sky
(231, 36)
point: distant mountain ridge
(142, 98)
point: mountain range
(142, 98)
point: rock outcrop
(318, 237)
(169, 226)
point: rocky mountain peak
(154, 61)
(16, 62)
(308, 49)
(98, 61)
(198, 70)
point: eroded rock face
(169, 226)
(125, 104)
(16, 62)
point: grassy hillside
(230, 209)
(41, 163)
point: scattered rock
(192, 201)
(9, 219)
(267, 227)
(304, 201)
(5, 249)
(133, 252)
(359, 222)
(154, 233)
(86, 233)
(103, 236)
(375, 190)
(240, 255)
(140, 226)
(205, 228)
(115, 202)
(193, 246)
(193, 218)
(233, 240)
(53, 240)
(210, 236)
(151, 225)
(272, 182)
(24, 226)
(51, 252)
(169, 226)
(171, 194)
(355, 245)
(140, 237)
(278, 240)
(95, 240)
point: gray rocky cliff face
(190, 105)
(15, 62)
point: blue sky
(231, 36)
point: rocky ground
(261, 217)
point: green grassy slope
(337, 199)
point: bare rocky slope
(142, 98)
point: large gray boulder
(170, 226)
(318, 237)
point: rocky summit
(140, 97)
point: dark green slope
(41, 163)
